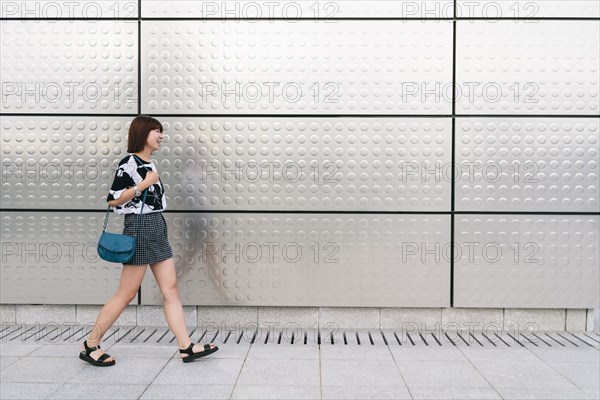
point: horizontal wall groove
(313, 212)
(305, 115)
(309, 19)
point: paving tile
(583, 375)
(498, 354)
(543, 393)
(138, 370)
(207, 370)
(365, 392)
(132, 350)
(16, 349)
(59, 350)
(276, 392)
(559, 354)
(26, 391)
(437, 353)
(92, 390)
(454, 393)
(360, 373)
(6, 361)
(441, 374)
(521, 374)
(279, 372)
(42, 369)
(196, 391)
(593, 393)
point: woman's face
(154, 139)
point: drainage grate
(58, 334)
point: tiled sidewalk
(40, 362)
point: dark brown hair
(139, 130)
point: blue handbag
(115, 247)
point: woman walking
(135, 174)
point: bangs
(154, 124)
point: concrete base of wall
(235, 317)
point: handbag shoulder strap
(137, 219)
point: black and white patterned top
(132, 171)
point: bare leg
(166, 277)
(131, 279)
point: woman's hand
(150, 179)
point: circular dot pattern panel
(544, 67)
(517, 164)
(527, 262)
(51, 258)
(299, 9)
(382, 67)
(69, 66)
(309, 260)
(60, 162)
(242, 163)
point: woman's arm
(128, 194)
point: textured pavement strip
(270, 363)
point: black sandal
(85, 356)
(192, 356)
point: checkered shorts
(152, 243)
